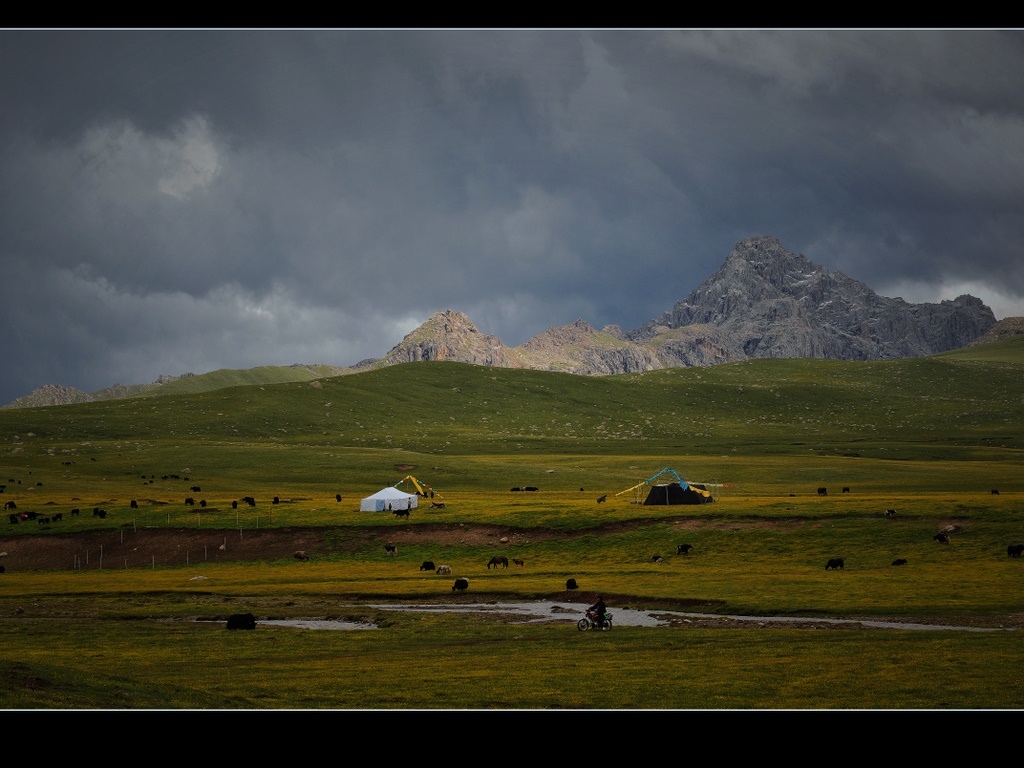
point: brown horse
(498, 560)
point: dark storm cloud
(179, 201)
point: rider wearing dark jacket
(599, 610)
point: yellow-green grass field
(929, 438)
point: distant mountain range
(764, 301)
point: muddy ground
(127, 547)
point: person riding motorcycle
(599, 609)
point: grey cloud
(185, 200)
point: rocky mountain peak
(449, 335)
(768, 302)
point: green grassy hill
(928, 437)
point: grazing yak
(531, 488)
(941, 538)
(835, 563)
(1014, 550)
(890, 513)
(460, 585)
(899, 561)
(134, 504)
(337, 497)
(995, 492)
(823, 491)
(657, 559)
(428, 565)
(301, 555)
(570, 584)
(846, 489)
(400, 512)
(520, 563)
(391, 549)
(684, 549)
(498, 560)
(242, 621)
(602, 499)
(444, 570)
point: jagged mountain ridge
(768, 302)
(763, 302)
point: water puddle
(315, 624)
(570, 613)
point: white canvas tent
(379, 501)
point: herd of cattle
(461, 584)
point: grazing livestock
(684, 549)
(570, 584)
(498, 560)
(100, 513)
(899, 561)
(74, 512)
(428, 565)
(846, 489)
(1014, 550)
(234, 505)
(995, 492)
(189, 501)
(437, 505)
(249, 500)
(242, 621)
(516, 489)
(890, 513)
(10, 505)
(941, 538)
(202, 502)
(195, 489)
(823, 491)
(13, 518)
(2, 569)
(58, 516)
(835, 563)
(337, 497)
(401, 512)
(657, 559)
(460, 585)
(391, 549)
(520, 563)
(135, 504)
(602, 499)
(530, 488)
(301, 555)
(277, 500)
(444, 570)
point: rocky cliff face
(450, 335)
(763, 302)
(768, 302)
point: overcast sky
(176, 201)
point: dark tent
(674, 493)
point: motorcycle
(589, 621)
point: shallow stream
(570, 613)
